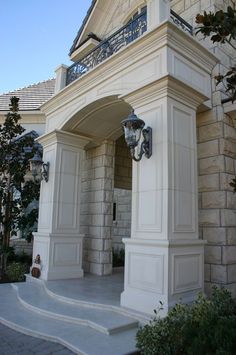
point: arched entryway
(106, 182)
(77, 202)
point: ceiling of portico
(99, 120)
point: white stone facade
(166, 77)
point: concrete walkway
(15, 343)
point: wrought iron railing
(179, 21)
(109, 46)
(128, 33)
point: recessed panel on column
(186, 272)
(149, 212)
(66, 254)
(69, 161)
(146, 272)
(68, 190)
(190, 74)
(183, 127)
(184, 170)
(45, 215)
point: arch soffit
(99, 119)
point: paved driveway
(15, 343)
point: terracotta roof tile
(31, 97)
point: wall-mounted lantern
(38, 168)
(133, 128)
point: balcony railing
(127, 34)
(179, 21)
(109, 46)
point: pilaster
(58, 240)
(164, 257)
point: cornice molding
(166, 35)
(167, 86)
(62, 137)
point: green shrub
(118, 257)
(16, 271)
(207, 327)
(22, 258)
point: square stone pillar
(164, 257)
(58, 240)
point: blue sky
(36, 36)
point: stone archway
(164, 257)
(76, 203)
(100, 121)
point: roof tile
(31, 97)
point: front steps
(83, 327)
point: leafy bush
(22, 258)
(118, 257)
(16, 271)
(208, 326)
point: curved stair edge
(53, 315)
(141, 318)
(40, 335)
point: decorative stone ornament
(36, 267)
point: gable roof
(31, 97)
(73, 48)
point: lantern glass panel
(132, 135)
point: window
(114, 212)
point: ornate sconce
(133, 128)
(38, 168)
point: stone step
(35, 298)
(79, 338)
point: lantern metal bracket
(39, 169)
(133, 129)
(146, 145)
(45, 171)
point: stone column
(58, 240)
(164, 257)
(96, 208)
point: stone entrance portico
(165, 87)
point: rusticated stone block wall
(217, 202)
(216, 165)
(96, 208)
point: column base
(60, 255)
(162, 271)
